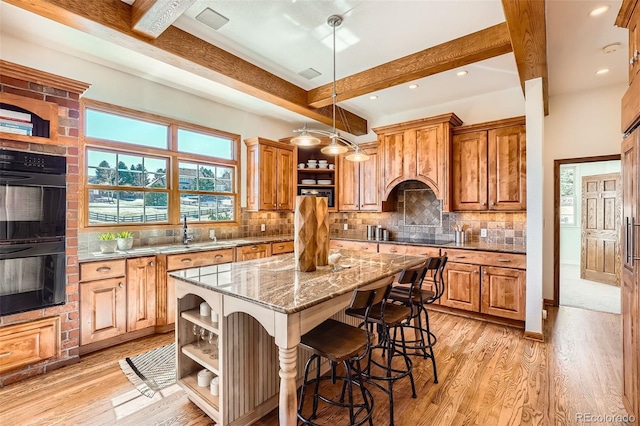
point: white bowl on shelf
(324, 181)
(312, 166)
(308, 181)
(323, 161)
(323, 166)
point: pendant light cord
(334, 95)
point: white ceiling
(288, 36)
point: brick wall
(67, 145)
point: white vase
(108, 246)
(125, 243)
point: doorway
(587, 229)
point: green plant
(107, 236)
(125, 234)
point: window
(567, 196)
(132, 172)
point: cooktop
(435, 241)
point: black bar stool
(342, 343)
(416, 297)
(385, 317)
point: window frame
(173, 156)
(574, 224)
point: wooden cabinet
(256, 251)
(486, 282)
(270, 175)
(630, 306)
(417, 150)
(103, 297)
(634, 44)
(141, 293)
(489, 166)
(358, 182)
(29, 343)
(353, 245)
(282, 247)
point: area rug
(151, 371)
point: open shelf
(201, 358)
(190, 382)
(316, 171)
(194, 317)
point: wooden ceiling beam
(151, 17)
(528, 30)
(478, 46)
(111, 20)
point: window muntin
(127, 184)
(199, 143)
(567, 196)
(108, 126)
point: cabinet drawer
(203, 258)
(283, 247)
(507, 260)
(354, 245)
(105, 269)
(29, 343)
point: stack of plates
(324, 181)
(322, 164)
(308, 181)
(311, 164)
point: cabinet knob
(254, 248)
(150, 263)
(393, 250)
(275, 205)
(121, 285)
(484, 204)
(493, 203)
(186, 260)
(475, 271)
(484, 272)
(103, 269)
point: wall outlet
(346, 227)
(263, 227)
(544, 314)
(483, 233)
(212, 234)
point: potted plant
(125, 240)
(108, 242)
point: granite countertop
(474, 245)
(179, 248)
(273, 282)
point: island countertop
(274, 283)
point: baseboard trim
(532, 335)
(549, 302)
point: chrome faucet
(185, 236)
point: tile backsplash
(418, 215)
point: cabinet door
(141, 293)
(103, 309)
(461, 287)
(257, 251)
(431, 164)
(393, 159)
(267, 178)
(507, 169)
(503, 292)
(353, 245)
(368, 183)
(469, 174)
(284, 182)
(349, 185)
(634, 44)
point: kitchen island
(261, 303)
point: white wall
(570, 234)
(581, 124)
(118, 88)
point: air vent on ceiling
(211, 18)
(309, 73)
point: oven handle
(31, 250)
(6, 178)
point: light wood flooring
(489, 375)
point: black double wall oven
(32, 231)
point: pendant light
(338, 145)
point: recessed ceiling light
(599, 10)
(610, 48)
(602, 71)
(212, 18)
(461, 73)
(413, 86)
(373, 97)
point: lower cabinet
(29, 343)
(353, 245)
(116, 297)
(476, 281)
(281, 247)
(256, 251)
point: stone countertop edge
(474, 245)
(274, 283)
(179, 249)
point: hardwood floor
(489, 375)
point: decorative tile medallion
(422, 208)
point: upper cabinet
(358, 182)
(41, 125)
(634, 44)
(489, 166)
(417, 150)
(270, 175)
(629, 17)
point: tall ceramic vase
(305, 229)
(322, 234)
